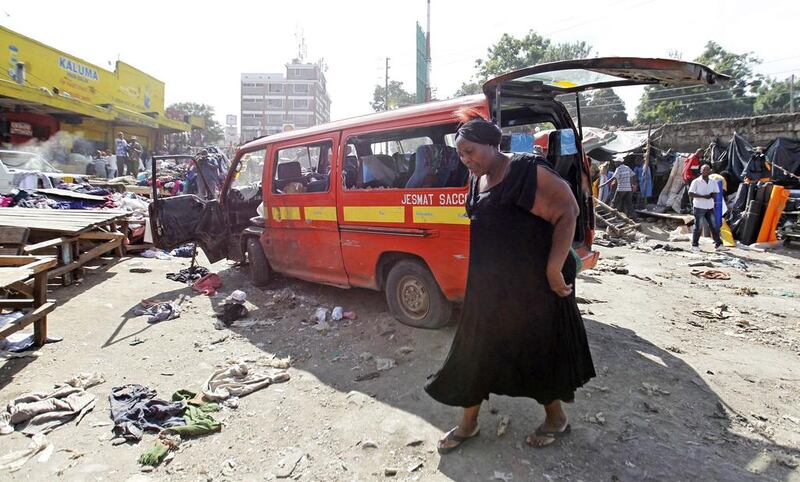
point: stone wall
(688, 136)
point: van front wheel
(259, 267)
(414, 297)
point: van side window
(415, 158)
(303, 169)
(250, 169)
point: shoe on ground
(695, 248)
(720, 247)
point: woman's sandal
(554, 435)
(453, 437)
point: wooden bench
(73, 237)
(15, 272)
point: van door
(303, 232)
(187, 218)
(211, 223)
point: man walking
(134, 156)
(623, 198)
(702, 191)
(121, 150)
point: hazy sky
(199, 48)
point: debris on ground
(236, 379)
(746, 291)
(383, 364)
(208, 284)
(158, 311)
(505, 477)
(15, 460)
(188, 275)
(38, 412)
(86, 380)
(502, 426)
(288, 463)
(717, 312)
(711, 274)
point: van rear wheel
(260, 272)
(414, 297)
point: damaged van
(378, 201)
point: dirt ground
(678, 396)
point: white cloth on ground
(42, 412)
(15, 460)
(236, 380)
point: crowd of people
(627, 185)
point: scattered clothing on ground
(134, 410)
(156, 253)
(231, 312)
(208, 284)
(158, 312)
(188, 275)
(185, 251)
(34, 413)
(711, 274)
(236, 380)
(15, 460)
(22, 341)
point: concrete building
(271, 101)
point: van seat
(288, 172)
(435, 163)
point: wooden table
(75, 236)
(15, 272)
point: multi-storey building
(270, 102)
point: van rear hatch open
(520, 97)
(570, 76)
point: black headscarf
(480, 131)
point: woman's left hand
(557, 283)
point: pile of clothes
(136, 410)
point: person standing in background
(121, 151)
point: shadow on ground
(647, 416)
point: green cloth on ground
(198, 422)
(155, 454)
(188, 397)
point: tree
(213, 131)
(511, 53)
(603, 108)
(773, 96)
(468, 88)
(736, 98)
(398, 96)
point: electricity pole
(791, 94)
(428, 56)
(386, 87)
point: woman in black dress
(521, 333)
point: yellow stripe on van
(320, 213)
(440, 214)
(375, 214)
(286, 213)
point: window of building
(303, 169)
(300, 103)
(301, 88)
(275, 88)
(275, 103)
(274, 119)
(415, 158)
